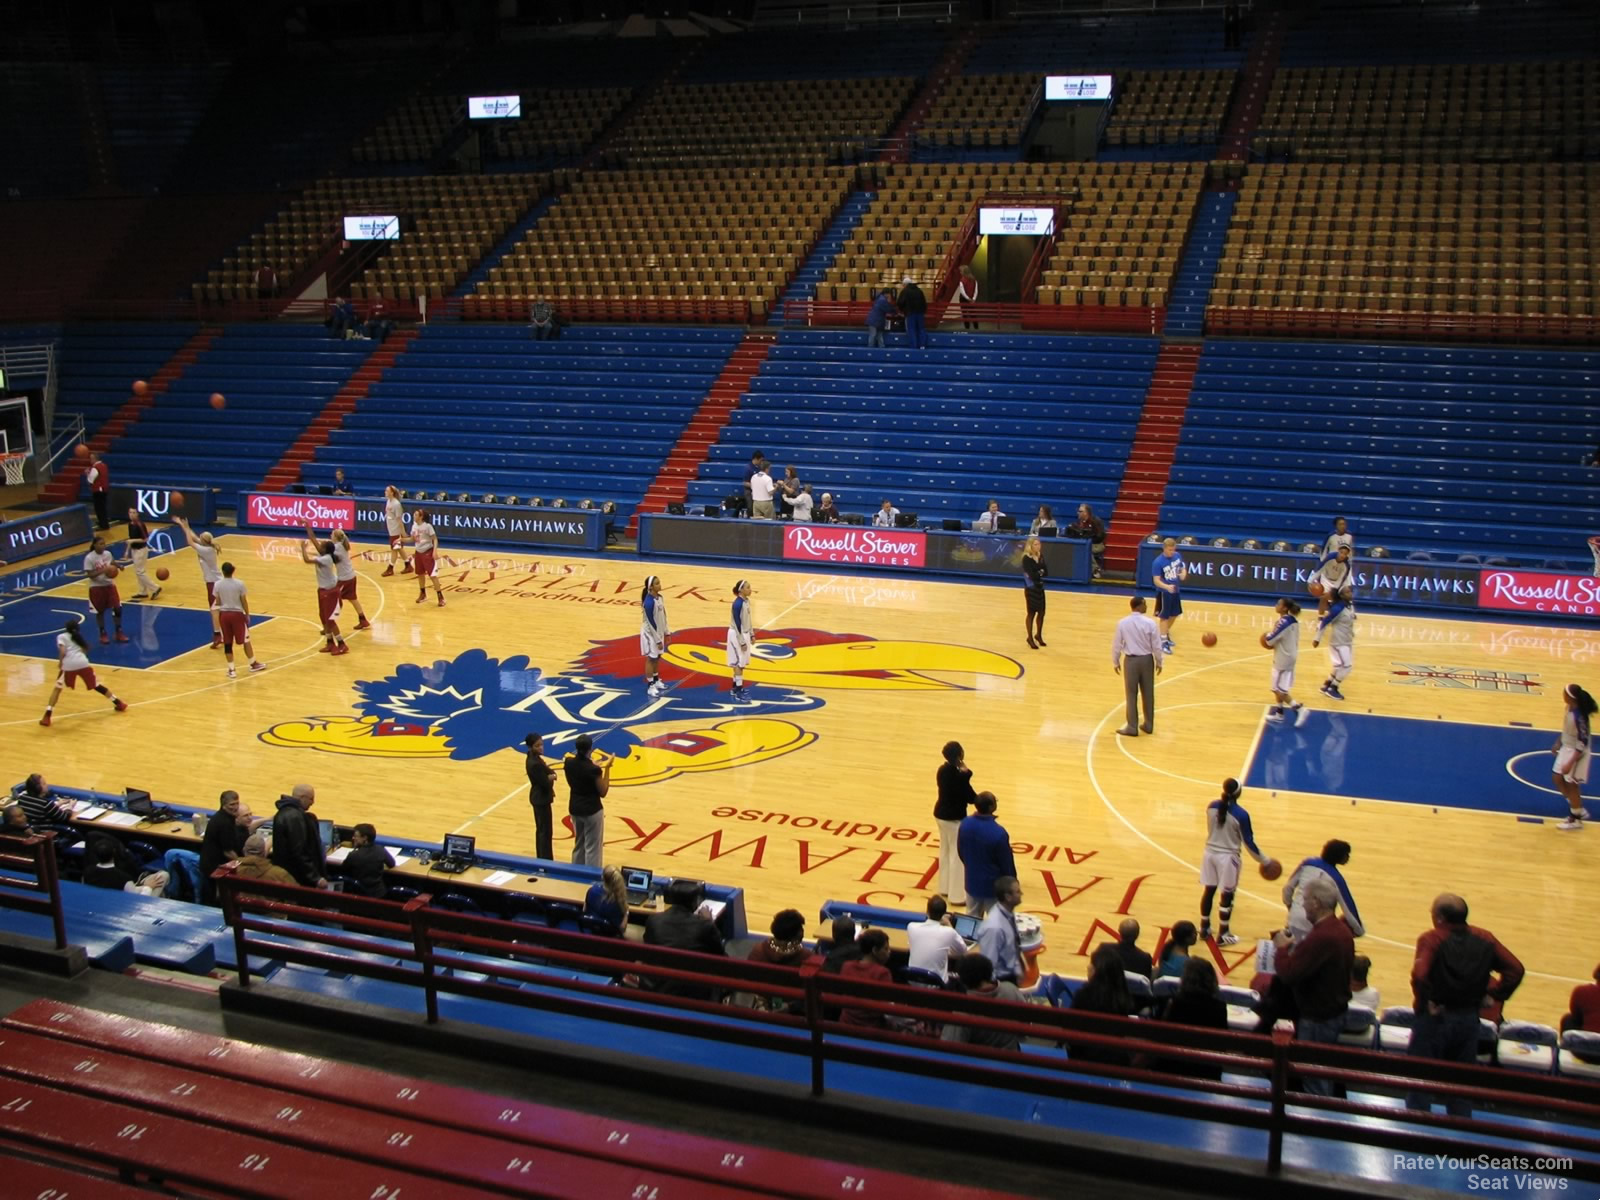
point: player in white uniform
(1572, 754)
(426, 542)
(344, 569)
(320, 555)
(232, 605)
(653, 633)
(741, 637)
(205, 553)
(1283, 639)
(1333, 575)
(1341, 536)
(394, 523)
(1168, 575)
(101, 568)
(1339, 627)
(1227, 831)
(72, 655)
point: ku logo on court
(475, 705)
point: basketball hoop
(1594, 545)
(15, 464)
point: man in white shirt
(884, 517)
(1136, 656)
(800, 507)
(933, 942)
(761, 494)
(997, 936)
(989, 522)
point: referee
(1137, 646)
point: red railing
(1471, 327)
(440, 951)
(1101, 318)
(29, 882)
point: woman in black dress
(1033, 574)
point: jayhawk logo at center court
(475, 705)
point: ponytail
(72, 632)
(1230, 793)
(1582, 700)
(648, 580)
(1294, 611)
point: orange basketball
(1208, 638)
(140, 387)
(1271, 869)
(81, 450)
(218, 401)
(177, 499)
(163, 574)
(1316, 589)
(110, 573)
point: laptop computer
(638, 881)
(460, 852)
(966, 924)
(137, 800)
(325, 832)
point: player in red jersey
(427, 542)
(101, 568)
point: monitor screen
(637, 879)
(325, 832)
(1077, 87)
(966, 925)
(372, 229)
(1013, 222)
(459, 845)
(494, 108)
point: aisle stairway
(694, 444)
(804, 284)
(1155, 444)
(1192, 289)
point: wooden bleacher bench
(26, 1177)
(527, 1128)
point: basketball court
(1436, 767)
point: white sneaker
(1570, 824)
(1227, 939)
(232, 673)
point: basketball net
(16, 464)
(1594, 546)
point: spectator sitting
(1092, 527)
(342, 485)
(379, 325)
(989, 520)
(366, 864)
(884, 518)
(800, 507)
(256, 865)
(1127, 948)
(934, 943)
(1584, 1006)
(542, 320)
(685, 925)
(1362, 992)
(16, 822)
(266, 282)
(1045, 520)
(1175, 953)
(827, 514)
(786, 947)
(607, 899)
(41, 805)
(878, 314)
(844, 947)
(871, 965)
(113, 867)
(976, 974)
(1197, 1003)
(1105, 992)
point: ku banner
(486, 524)
(154, 503)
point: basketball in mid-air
(140, 387)
(1208, 638)
(1271, 869)
(176, 499)
(1316, 589)
(163, 574)
(81, 450)
(218, 401)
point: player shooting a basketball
(1227, 829)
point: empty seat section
(98, 364)
(1020, 419)
(487, 409)
(1422, 448)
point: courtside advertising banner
(1512, 590)
(45, 532)
(847, 548)
(154, 503)
(479, 524)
